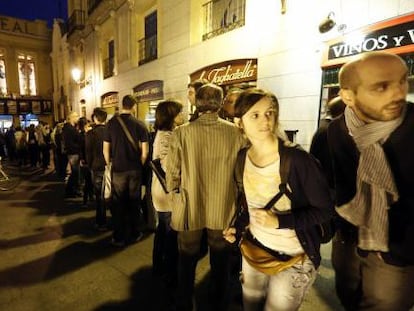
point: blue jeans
(126, 199)
(73, 181)
(283, 291)
(189, 253)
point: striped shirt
(200, 165)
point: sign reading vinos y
(393, 35)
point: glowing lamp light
(76, 74)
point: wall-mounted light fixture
(76, 76)
(283, 9)
(327, 23)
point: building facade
(25, 72)
(154, 48)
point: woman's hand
(229, 234)
(263, 218)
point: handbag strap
(127, 133)
(285, 159)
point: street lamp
(76, 74)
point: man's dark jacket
(399, 150)
(94, 148)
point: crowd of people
(30, 146)
(238, 189)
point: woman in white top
(288, 230)
(167, 116)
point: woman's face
(259, 122)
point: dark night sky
(34, 9)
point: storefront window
(6, 121)
(27, 80)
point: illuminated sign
(150, 90)
(394, 36)
(109, 99)
(229, 72)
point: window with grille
(221, 16)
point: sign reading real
(14, 25)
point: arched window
(27, 76)
(3, 79)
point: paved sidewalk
(53, 259)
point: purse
(265, 259)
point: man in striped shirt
(200, 169)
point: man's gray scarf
(375, 186)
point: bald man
(372, 150)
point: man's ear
(347, 96)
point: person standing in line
(33, 145)
(45, 147)
(85, 171)
(289, 228)
(199, 174)
(11, 143)
(168, 115)
(21, 145)
(127, 169)
(72, 141)
(227, 111)
(192, 89)
(96, 162)
(60, 157)
(372, 152)
(319, 146)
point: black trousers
(100, 206)
(189, 253)
(126, 209)
(165, 251)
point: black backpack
(241, 217)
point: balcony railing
(76, 21)
(147, 49)
(93, 4)
(108, 67)
(221, 16)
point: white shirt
(261, 184)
